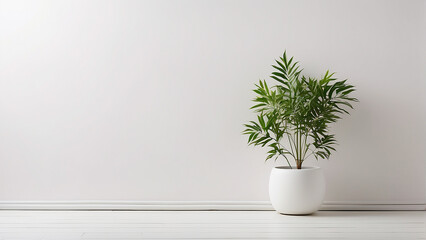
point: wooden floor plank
(122, 225)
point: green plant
(294, 115)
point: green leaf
(261, 121)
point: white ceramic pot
(296, 191)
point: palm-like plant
(294, 116)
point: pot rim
(308, 168)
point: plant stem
(306, 147)
(299, 147)
(300, 150)
(291, 145)
(296, 147)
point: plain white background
(145, 100)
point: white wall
(145, 100)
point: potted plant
(293, 122)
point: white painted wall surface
(145, 100)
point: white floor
(123, 225)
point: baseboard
(199, 205)
(137, 205)
(373, 206)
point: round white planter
(296, 191)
